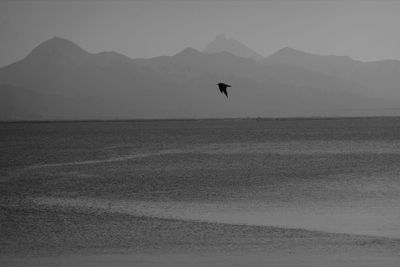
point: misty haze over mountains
(60, 80)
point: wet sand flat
(49, 236)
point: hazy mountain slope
(380, 78)
(72, 83)
(61, 67)
(17, 103)
(223, 44)
(20, 103)
(191, 63)
(109, 73)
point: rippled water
(333, 175)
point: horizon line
(321, 117)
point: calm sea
(328, 175)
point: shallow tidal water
(281, 192)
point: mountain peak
(223, 44)
(58, 39)
(288, 51)
(58, 50)
(188, 51)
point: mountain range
(60, 80)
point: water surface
(334, 176)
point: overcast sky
(364, 30)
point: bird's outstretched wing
(222, 88)
(224, 91)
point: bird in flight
(222, 88)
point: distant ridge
(381, 77)
(221, 43)
(60, 80)
(288, 55)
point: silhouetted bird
(222, 88)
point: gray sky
(364, 30)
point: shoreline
(350, 117)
